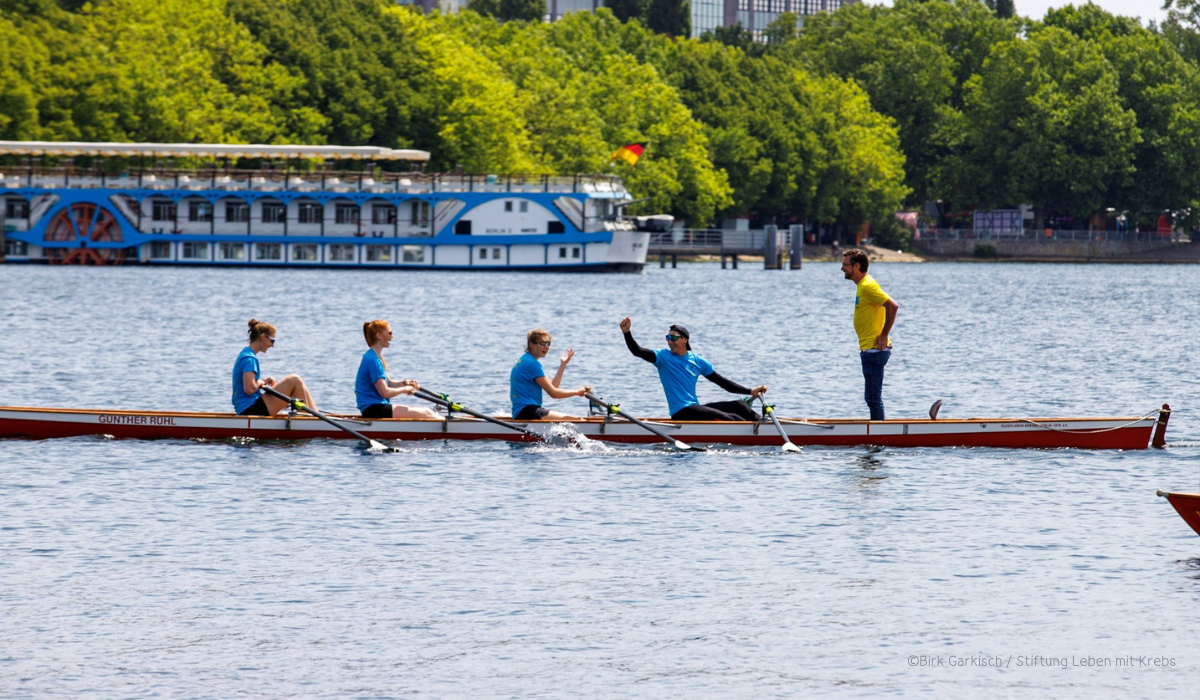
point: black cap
(684, 332)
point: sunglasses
(543, 343)
(272, 340)
(672, 337)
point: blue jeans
(873, 364)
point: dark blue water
(217, 570)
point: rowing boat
(1125, 433)
(1187, 505)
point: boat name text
(137, 420)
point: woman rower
(527, 380)
(679, 368)
(372, 388)
(248, 396)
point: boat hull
(1187, 505)
(1126, 433)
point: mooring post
(662, 259)
(674, 260)
(734, 256)
(797, 254)
(772, 251)
(722, 261)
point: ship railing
(714, 241)
(276, 180)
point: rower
(248, 396)
(372, 388)
(678, 370)
(527, 380)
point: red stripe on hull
(1125, 438)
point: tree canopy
(843, 118)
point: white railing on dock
(707, 240)
(1047, 235)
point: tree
(670, 17)
(1041, 126)
(510, 10)
(625, 10)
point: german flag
(630, 153)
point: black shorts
(532, 413)
(258, 408)
(378, 410)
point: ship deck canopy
(206, 150)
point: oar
(616, 411)
(299, 405)
(443, 400)
(769, 411)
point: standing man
(874, 314)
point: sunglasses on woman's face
(271, 340)
(543, 343)
(672, 337)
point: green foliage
(986, 251)
(670, 17)
(510, 10)
(625, 10)
(892, 233)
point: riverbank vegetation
(846, 119)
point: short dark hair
(858, 257)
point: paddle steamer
(187, 204)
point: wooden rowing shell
(1125, 433)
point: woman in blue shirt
(527, 380)
(248, 396)
(372, 388)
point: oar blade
(683, 446)
(790, 447)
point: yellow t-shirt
(869, 314)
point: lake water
(218, 570)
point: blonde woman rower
(528, 380)
(372, 388)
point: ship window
(342, 253)
(379, 253)
(383, 214)
(508, 206)
(239, 211)
(311, 213)
(524, 207)
(414, 253)
(15, 247)
(346, 214)
(555, 227)
(192, 250)
(562, 252)
(233, 251)
(574, 252)
(163, 211)
(272, 213)
(269, 251)
(495, 253)
(420, 213)
(305, 252)
(483, 253)
(463, 227)
(16, 209)
(200, 211)
(160, 250)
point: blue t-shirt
(522, 383)
(678, 374)
(370, 370)
(246, 362)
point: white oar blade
(681, 445)
(789, 447)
